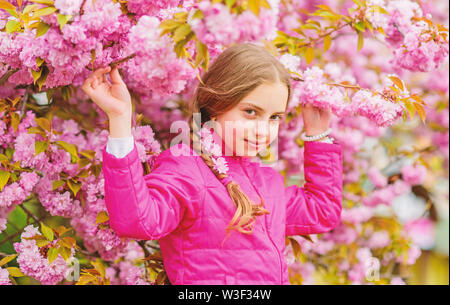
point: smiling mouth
(253, 144)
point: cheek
(274, 131)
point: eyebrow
(262, 110)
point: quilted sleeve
(316, 207)
(151, 206)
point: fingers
(106, 80)
(115, 76)
(100, 71)
(87, 85)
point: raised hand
(112, 97)
(316, 120)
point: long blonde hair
(234, 74)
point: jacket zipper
(266, 228)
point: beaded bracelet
(304, 137)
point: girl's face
(252, 125)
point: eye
(276, 117)
(249, 110)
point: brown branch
(19, 232)
(81, 8)
(24, 102)
(317, 39)
(29, 213)
(5, 76)
(117, 62)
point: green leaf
(29, 8)
(378, 9)
(202, 53)
(48, 2)
(44, 11)
(47, 231)
(360, 26)
(253, 5)
(99, 267)
(39, 61)
(181, 32)
(42, 28)
(420, 112)
(358, 3)
(70, 148)
(15, 120)
(13, 13)
(74, 186)
(13, 26)
(326, 43)
(360, 40)
(65, 253)
(43, 78)
(90, 154)
(44, 123)
(40, 146)
(36, 75)
(309, 55)
(62, 20)
(58, 183)
(296, 249)
(101, 217)
(15, 272)
(7, 259)
(42, 242)
(86, 279)
(66, 92)
(230, 3)
(6, 5)
(409, 106)
(52, 254)
(4, 177)
(397, 81)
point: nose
(262, 131)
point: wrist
(315, 137)
(314, 132)
(120, 125)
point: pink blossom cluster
(214, 27)
(145, 141)
(387, 194)
(129, 270)
(59, 201)
(376, 177)
(68, 7)
(32, 263)
(376, 108)
(145, 7)
(414, 174)
(315, 91)
(4, 277)
(398, 22)
(103, 240)
(423, 49)
(67, 52)
(17, 192)
(156, 66)
(422, 232)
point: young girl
(191, 206)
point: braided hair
(235, 73)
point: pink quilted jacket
(182, 204)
